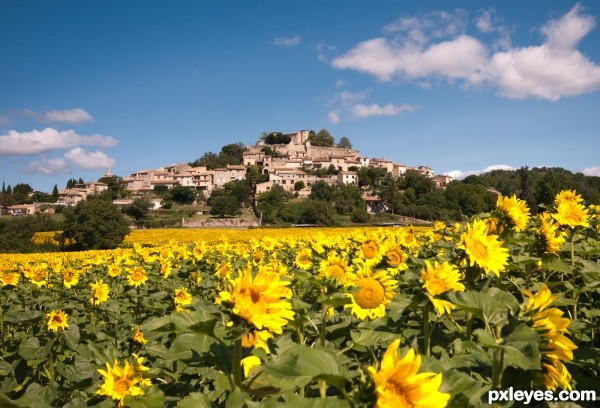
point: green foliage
(116, 185)
(138, 209)
(225, 204)
(277, 138)
(95, 224)
(16, 233)
(344, 143)
(182, 194)
(323, 138)
(229, 154)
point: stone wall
(221, 223)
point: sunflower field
(377, 317)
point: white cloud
(433, 24)
(287, 41)
(346, 98)
(4, 120)
(592, 171)
(461, 57)
(362, 111)
(47, 166)
(340, 83)
(552, 70)
(334, 117)
(73, 116)
(460, 174)
(89, 160)
(48, 139)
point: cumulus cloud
(287, 41)
(89, 160)
(436, 46)
(461, 174)
(334, 117)
(47, 166)
(351, 104)
(48, 139)
(73, 116)
(592, 171)
(362, 111)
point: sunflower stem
(237, 364)
(575, 293)
(322, 332)
(497, 368)
(322, 329)
(426, 329)
(469, 326)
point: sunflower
(100, 291)
(119, 382)
(137, 276)
(70, 277)
(397, 384)
(438, 279)
(182, 297)
(248, 363)
(514, 210)
(257, 339)
(224, 269)
(303, 259)
(370, 251)
(269, 244)
(57, 319)
(556, 348)
(572, 214)
(260, 300)
(396, 257)
(552, 238)
(375, 290)
(199, 250)
(114, 270)
(567, 196)
(138, 337)
(334, 268)
(9, 278)
(482, 249)
(165, 268)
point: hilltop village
(286, 164)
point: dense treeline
(412, 195)
(415, 195)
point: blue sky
(460, 86)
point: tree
(95, 224)
(277, 138)
(317, 212)
(183, 195)
(323, 138)
(299, 185)
(161, 190)
(344, 143)
(225, 205)
(21, 192)
(321, 191)
(55, 193)
(138, 209)
(347, 198)
(419, 182)
(115, 185)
